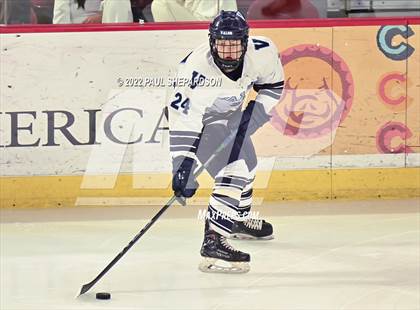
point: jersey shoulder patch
(198, 55)
(261, 44)
(185, 59)
(197, 61)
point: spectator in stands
(77, 11)
(44, 11)
(137, 7)
(117, 11)
(189, 10)
(282, 9)
(123, 11)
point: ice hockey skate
(220, 257)
(252, 229)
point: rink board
(54, 191)
(79, 123)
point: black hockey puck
(103, 296)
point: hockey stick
(86, 287)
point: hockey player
(203, 115)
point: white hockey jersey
(203, 93)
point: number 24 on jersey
(179, 103)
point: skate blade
(249, 237)
(210, 265)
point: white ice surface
(319, 260)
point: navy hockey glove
(252, 118)
(184, 183)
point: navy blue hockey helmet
(228, 25)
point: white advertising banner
(76, 103)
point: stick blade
(86, 288)
(182, 201)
